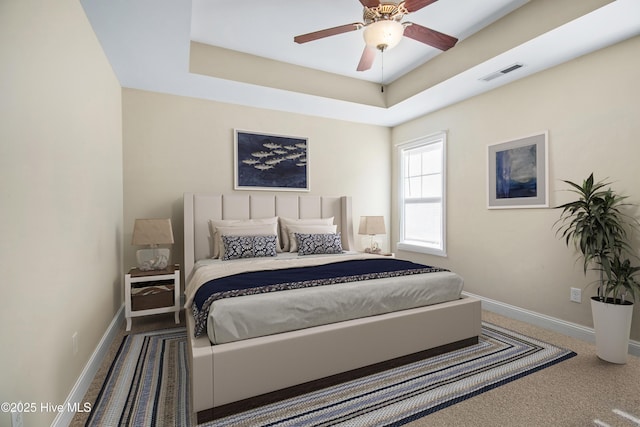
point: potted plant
(599, 231)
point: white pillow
(246, 230)
(215, 223)
(307, 229)
(285, 222)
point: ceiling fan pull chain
(382, 70)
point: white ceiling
(147, 44)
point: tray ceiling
(148, 44)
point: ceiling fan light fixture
(383, 34)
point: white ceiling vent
(502, 72)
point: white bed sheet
(250, 316)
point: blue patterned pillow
(315, 244)
(248, 246)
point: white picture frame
(518, 173)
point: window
(422, 196)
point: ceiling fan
(383, 29)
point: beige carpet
(576, 392)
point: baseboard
(554, 324)
(74, 400)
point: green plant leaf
(597, 228)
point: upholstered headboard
(199, 208)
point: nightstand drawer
(152, 297)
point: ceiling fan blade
(370, 3)
(431, 37)
(413, 5)
(327, 32)
(366, 60)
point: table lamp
(152, 232)
(372, 225)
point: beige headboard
(199, 208)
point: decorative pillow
(286, 222)
(247, 230)
(236, 247)
(215, 223)
(307, 229)
(315, 244)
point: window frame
(402, 148)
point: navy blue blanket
(256, 282)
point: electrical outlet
(576, 295)
(74, 340)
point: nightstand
(152, 292)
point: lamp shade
(383, 34)
(152, 232)
(371, 225)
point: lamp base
(153, 259)
(374, 248)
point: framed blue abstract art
(518, 175)
(270, 162)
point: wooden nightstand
(152, 292)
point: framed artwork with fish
(270, 162)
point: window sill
(423, 249)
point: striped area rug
(147, 385)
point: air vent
(502, 72)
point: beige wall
(176, 144)
(60, 200)
(590, 108)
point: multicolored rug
(148, 385)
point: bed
(240, 370)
